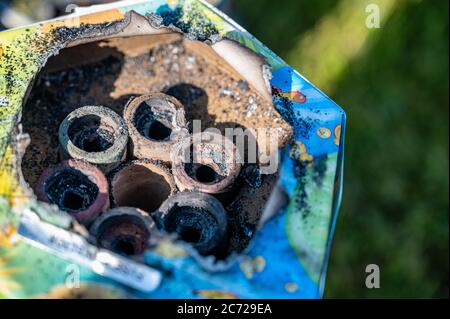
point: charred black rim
(71, 190)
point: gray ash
(194, 225)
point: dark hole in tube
(147, 190)
(158, 131)
(190, 234)
(194, 98)
(90, 134)
(125, 235)
(148, 126)
(205, 174)
(124, 246)
(72, 201)
(71, 190)
(192, 224)
(96, 143)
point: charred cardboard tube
(123, 230)
(95, 134)
(143, 184)
(155, 122)
(197, 218)
(76, 187)
(206, 162)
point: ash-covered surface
(109, 73)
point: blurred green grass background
(393, 84)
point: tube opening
(190, 234)
(73, 201)
(125, 235)
(90, 134)
(158, 131)
(140, 187)
(124, 245)
(205, 174)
